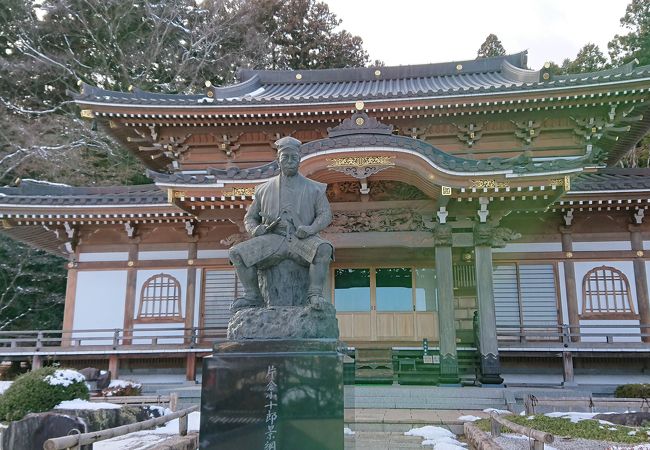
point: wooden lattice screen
(160, 299)
(606, 292)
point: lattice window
(160, 299)
(606, 294)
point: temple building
(481, 225)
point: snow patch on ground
(64, 377)
(123, 384)
(4, 385)
(346, 430)
(636, 447)
(145, 439)
(469, 418)
(497, 411)
(440, 438)
(84, 404)
(574, 417)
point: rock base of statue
(284, 284)
(280, 394)
(284, 322)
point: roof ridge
(351, 74)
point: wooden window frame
(176, 299)
(558, 298)
(623, 291)
(373, 284)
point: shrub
(41, 390)
(120, 388)
(633, 391)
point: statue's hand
(303, 231)
(259, 230)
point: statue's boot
(244, 302)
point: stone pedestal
(273, 394)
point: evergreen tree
(491, 47)
(32, 288)
(302, 36)
(588, 59)
(635, 44)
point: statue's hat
(288, 143)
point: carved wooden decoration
(377, 220)
(171, 147)
(350, 191)
(469, 133)
(527, 130)
(360, 167)
(228, 143)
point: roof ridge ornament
(360, 122)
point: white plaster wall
(530, 247)
(104, 256)
(601, 246)
(202, 254)
(581, 269)
(99, 303)
(646, 245)
(158, 255)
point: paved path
(418, 417)
(371, 440)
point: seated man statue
(284, 220)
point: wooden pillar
(37, 362)
(446, 314)
(113, 366)
(190, 292)
(129, 300)
(70, 297)
(570, 283)
(487, 236)
(640, 279)
(567, 369)
(190, 367)
(488, 344)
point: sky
(400, 32)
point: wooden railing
(75, 441)
(586, 334)
(115, 339)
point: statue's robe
(307, 206)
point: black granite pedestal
(273, 394)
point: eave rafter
(135, 115)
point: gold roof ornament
(87, 114)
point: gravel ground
(514, 442)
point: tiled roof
(37, 193)
(498, 74)
(612, 179)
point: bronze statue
(284, 220)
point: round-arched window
(160, 299)
(606, 294)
